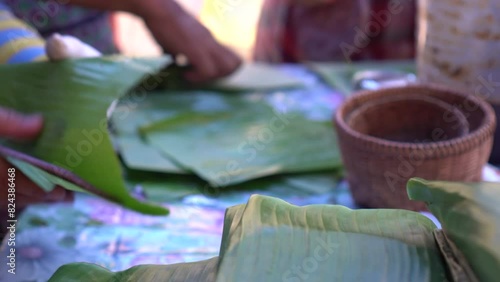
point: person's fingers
(20, 183)
(25, 191)
(209, 60)
(229, 61)
(25, 187)
(19, 126)
(59, 194)
(204, 66)
(69, 197)
(222, 61)
(23, 201)
(194, 76)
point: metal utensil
(377, 79)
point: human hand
(61, 47)
(179, 33)
(14, 125)
(27, 192)
(17, 126)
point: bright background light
(232, 22)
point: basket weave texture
(390, 135)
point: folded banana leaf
(74, 96)
(470, 216)
(340, 75)
(270, 240)
(271, 254)
(229, 139)
(202, 271)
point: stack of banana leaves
(114, 124)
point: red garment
(342, 30)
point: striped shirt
(25, 23)
(19, 43)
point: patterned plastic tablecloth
(93, 230)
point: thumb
(19, 126)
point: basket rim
(464, 124)
(460, 143)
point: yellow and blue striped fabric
(19, 43)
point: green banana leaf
(459, 267)
(167, 188)
(270, 240)
(202, 271)
(339, 75)
(470, 216)
(220, 150)
(228, 139)
(138, 155)
(43, 179)
(74, 96)
(289, 254)
(131, 112)
(261, 211)
(256, 77)
(249, 77)
(163, 187)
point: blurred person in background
(24, 25)
(293, 31)
(89, 20)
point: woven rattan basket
(391, 135)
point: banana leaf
(131, 112)
(256, 77)
(43, 179)
(202, 271)
(289, 254)
(470, 216)
(167, 188)
(138, 155)
(163, 187)
(270, 240)
(459, 267)
(249, 77)
(228, 139)
(220, 150)
(339, 75)
(261, 211)
(74, 96)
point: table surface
(93, 230)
